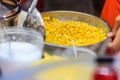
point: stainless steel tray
(98, 48)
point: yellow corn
(70, 33)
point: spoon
(29, 13)
(34, 19)
(74, 49)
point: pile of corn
(69, 33)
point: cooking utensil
(34, 19)
(29, 13)
(9, 11)
(54, 49)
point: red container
(104, 70)
(105, 73)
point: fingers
(115, 44)
(115, 36)
(111, 34)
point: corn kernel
(64, 32)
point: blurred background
(87, 6)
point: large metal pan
(98, 48)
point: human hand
(114, 44)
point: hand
(115, 36)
